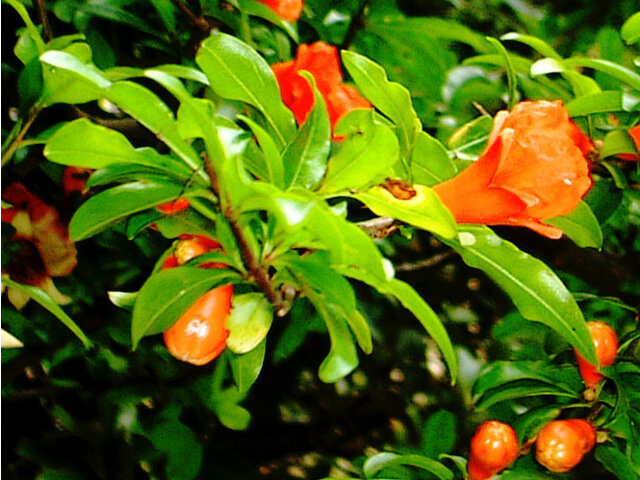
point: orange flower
(40, 248)
(321, 60)
(534, 168)
(288, 10)
(634, 133)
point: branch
(379, 227)
(257, 271)
(18, 132)
(199, 22)
(426, 263)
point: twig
(44, 19)
(256, 269)
(199, 22)
(17, 134)
(379, 227)
(426, 263)
(357, 21)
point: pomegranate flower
(288, 10)
(534, 168)
(320, 60)
(40, 248)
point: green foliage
(349, 306)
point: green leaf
(521, 389)
(581, 84)
(237, 72)
(616, 462)
(536, 43)
(413, 302)
(533, 287)
(69, 77)
(305, 158)
(249, 321)
(630, 31)
(272, 158)
(511, 73)
(31, 28)
(424, 210)
(45, 300)
(391, 98)
(333, 298)
(82, 143)
(430, 162)
(610, 68)
(146, 107)
(380, 461)
(439, 433)
(351, 249)
(615, 142)
(433, 27)
(246, 367)
(581, 226)
(166, 295)
(252, 7)
(527, 425)
(104, 209)
(179, 444)
(602, 102)
(370, 149)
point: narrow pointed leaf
(533, 287)
(237, 72)
(104, 209)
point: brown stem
(257, 271)
(199, 22)
(24, 127)
(379, 227)
(44, 20)
(426, 263)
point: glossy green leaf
(512, 81)
(305, 158)
(413, 302)
(615, 142)
(521, 389)
(351, 249)
(536, 43)
(500, 373)
(533, 287)
(370, 149)
(333, 298)
(237, 72)
(603, 102)
(430, 162)
(424, 210)
(84, 144)
(146, 107)
(610, 68)
(69, 77)
(246, 367)
(468, 142)
(581, 84)
(130, 172)
(31, 27)
(249, 321)
(45, 300)
(255, 8)
(168, 294)
(391, 98)
(104, 209)
(377, 463)
(272, 158)
(630, 31)
(580, 225)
